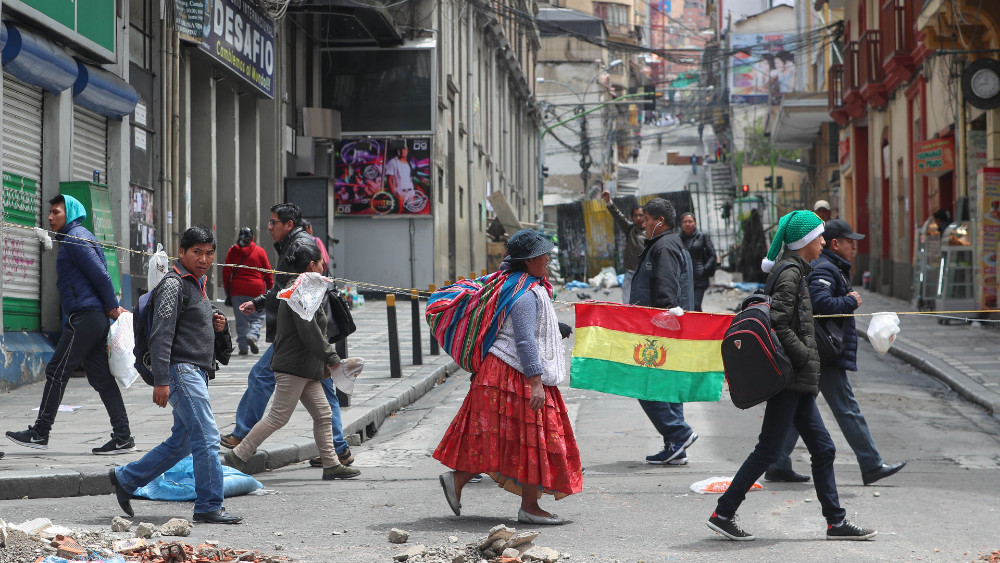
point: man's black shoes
(116, 446)
(870, 477)
(849, 531)
(29, 439)
(123, 496)
(785, 476)
(219, 516)
(252, 343)
(729, 528)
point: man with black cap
(832, 294)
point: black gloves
(565, 330)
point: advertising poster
(989, 239)
(240, 36)
(762, 68)
(383, 177)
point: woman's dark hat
(527, 243)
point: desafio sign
(241, 37)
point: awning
(103, 92)
(799, 119)
(34, 59)
(554, 22)
(346, 23)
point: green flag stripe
(645, 383)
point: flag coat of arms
(645, 353)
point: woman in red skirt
(514, 424)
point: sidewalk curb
(962, 384)
(69, 483)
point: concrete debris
(498, 532)
(539, 553)
(129, 545)
(120, 524)
(398, 536)
(176, 527)
(460, 558)
(511, 553)
(32, 527)
(145, 530)
(452, 539)
(498, 545)
(415, 551)
(520, 539)
(489, 553)
(3, 533)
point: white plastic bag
(718, 485)
(882, 331)
(306, 293)
(607, 278)
(121, 342)
(158, 264)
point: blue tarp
(177, 483)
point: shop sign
(988, 241)
(90, 24)
(240, 36)
(844, 151)
(383, 177)
(935, 157)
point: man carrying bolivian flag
(660, 359)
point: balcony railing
(835, 87)
(898, 27)
(852, 78)
(872, 70)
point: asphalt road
(942, 507)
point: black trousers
(84, 340)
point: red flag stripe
(638, 320)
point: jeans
(783, 411)
(194, 432)
(260, 387)
(668, 418)
(84, 339)
(627, 285)
(247, 326)
(289, 391)
(835, 385)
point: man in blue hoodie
(88, 302)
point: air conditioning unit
(319, 123)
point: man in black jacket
(635, 236)
(832, 294)
(88, 301)
(664, 279)
(182, 345)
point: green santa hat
(797, 229)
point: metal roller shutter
(22, 193)
(90, 145)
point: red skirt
(497, 433)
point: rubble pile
(501, 545)
(39, 541)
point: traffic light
(545, 171)
(769, 182)
(745, 189)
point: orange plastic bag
(718, 485)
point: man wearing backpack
(832, 294)
(88, 301)
(795, 406)
(290, 240)
(664, 279)
(182, 348)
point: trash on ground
(177, 483)
(718, 485)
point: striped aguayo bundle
(465, 317)
(625, 350)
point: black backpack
(756, 365)
(142, 327)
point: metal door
(90, 146)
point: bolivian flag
(646, 353)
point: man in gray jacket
(664, 279)
(634, 239)
(182, 345)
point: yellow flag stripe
(600, 343)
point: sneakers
(252, 343)
(673, 454)
(230, 441)
(29, 439)
(115, 447)
(345, 458)
(339, 472)
(729, 528)
(849, 531)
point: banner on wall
(239, 36)
(763, 68)
(383, 177)
(988, 241)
